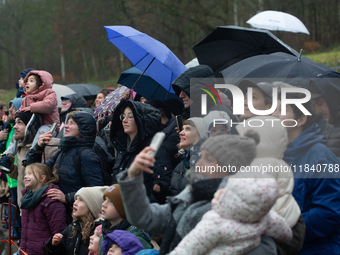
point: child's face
(80, 209)
(94, 241)
(114, 250)
(31, 84)
(31, 182)
(109, 211)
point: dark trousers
(14, 201)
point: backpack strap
(77, 162)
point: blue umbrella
(146, 86)
(147, 54)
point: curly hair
(86, 224)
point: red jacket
(44, 99)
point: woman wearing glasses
(133, 126)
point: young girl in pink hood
(41, 98)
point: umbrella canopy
(147, 54)
(146, 86)
(227, 45)
(276, 65)
(61, 90)
(280, 21)
(192, 63)
(108, 105)
(88, 91)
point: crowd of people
(90, 186)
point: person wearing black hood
(71, 103)
(80, 132)
(133, 126)
(325, 96)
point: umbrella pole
(142, 73)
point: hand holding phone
(156, 143)
(179, 123)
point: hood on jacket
(273, 136)
(182, 82)
(199, 126)
(46, 78)
(308, 138)
(328, 84)
(16, 102)
(247, 199)
(128, 242)
(147, 118)
(86, 124)
(77, 101)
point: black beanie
(24, 116)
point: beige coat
(270, 150)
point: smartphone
(54, 125)
(179, 123)
(156, 143)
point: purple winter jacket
(40, 223)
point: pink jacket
(44, 99)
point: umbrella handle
(143, 73)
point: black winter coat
(70, 245)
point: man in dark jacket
(71, 103)
(326, 93)
(315, 188)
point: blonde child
(75, 238)
(41, 216)
(94, 241)
(114, 216)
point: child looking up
(75, 238)
(114, 217)
(94, 241)
(41, 216)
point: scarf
(67, 143)
(32, 199)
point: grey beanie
(233, 150)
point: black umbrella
(227, 45)
(88, 91)
(275, 65)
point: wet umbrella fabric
(227, 45)
(108, 105)
(146, 86)
(147, 54)
(61, 90)
(276, 65)
(88, 91)
(278, 21)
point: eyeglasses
(128, 117)
(66, 101)
(215, 131)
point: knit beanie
(24, 116)
(93, 198)
(114, 194)
(220, 117)
(25, 72)
(232, 150)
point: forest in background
(68, 39)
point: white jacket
(270, 150)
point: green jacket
(11, 182)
